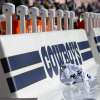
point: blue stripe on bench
(87, 55)
(20, 61)
(83, 45)
(25, 79)
(97, 39)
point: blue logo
(56, 55)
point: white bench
(29, 63)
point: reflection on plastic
(85, 85)
(72, 74)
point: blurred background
(76, 5)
